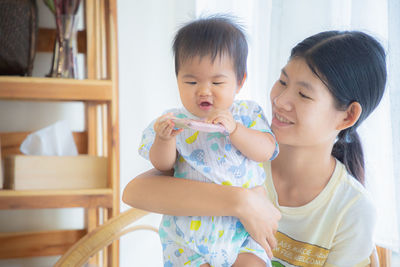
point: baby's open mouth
(205, 104)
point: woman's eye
(304, 96)
(282, 82)
(191, 83)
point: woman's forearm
(160, 193)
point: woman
(332, 82)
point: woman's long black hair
(352, 65)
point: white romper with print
(210, 157)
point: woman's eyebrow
(284, 73)
(301, 83)
(306, 85)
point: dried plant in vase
(65, 48)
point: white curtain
(275, 26)
(394, 92)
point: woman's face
(303, 111)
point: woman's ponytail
(348, 150)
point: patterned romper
(210, 157)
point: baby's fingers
(165, 130)
(167, 127)
(176, 132)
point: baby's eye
(217, 83)
(304, 96)
(282, 82)
(191, 83)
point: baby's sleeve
(252, 116)
(354, 242)
(147, 140)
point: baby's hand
(223, 117)
(164, 127)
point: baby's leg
(175, 255)
(248, 260)
(252, 254)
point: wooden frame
(384, 256)
(102, 236)
(99, 92)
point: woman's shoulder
(355, 198)
(354, 225)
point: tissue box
(22, 172)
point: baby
(210, 65)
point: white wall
(147, 86)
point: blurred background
(147, 86)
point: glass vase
(65, 48)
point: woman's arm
(159, 192)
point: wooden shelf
(54, 89)
(101, 137)
(49, 199)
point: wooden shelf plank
(33, 244)
(54, 89)
(51, 199)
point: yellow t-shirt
(334, 229)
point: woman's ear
(351, 115)
(241, 83)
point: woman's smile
(280, 121)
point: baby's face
(206, 86)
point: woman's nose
(283, 101)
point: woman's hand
(260, 218)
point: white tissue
(54, 140)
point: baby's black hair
(212, 36)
